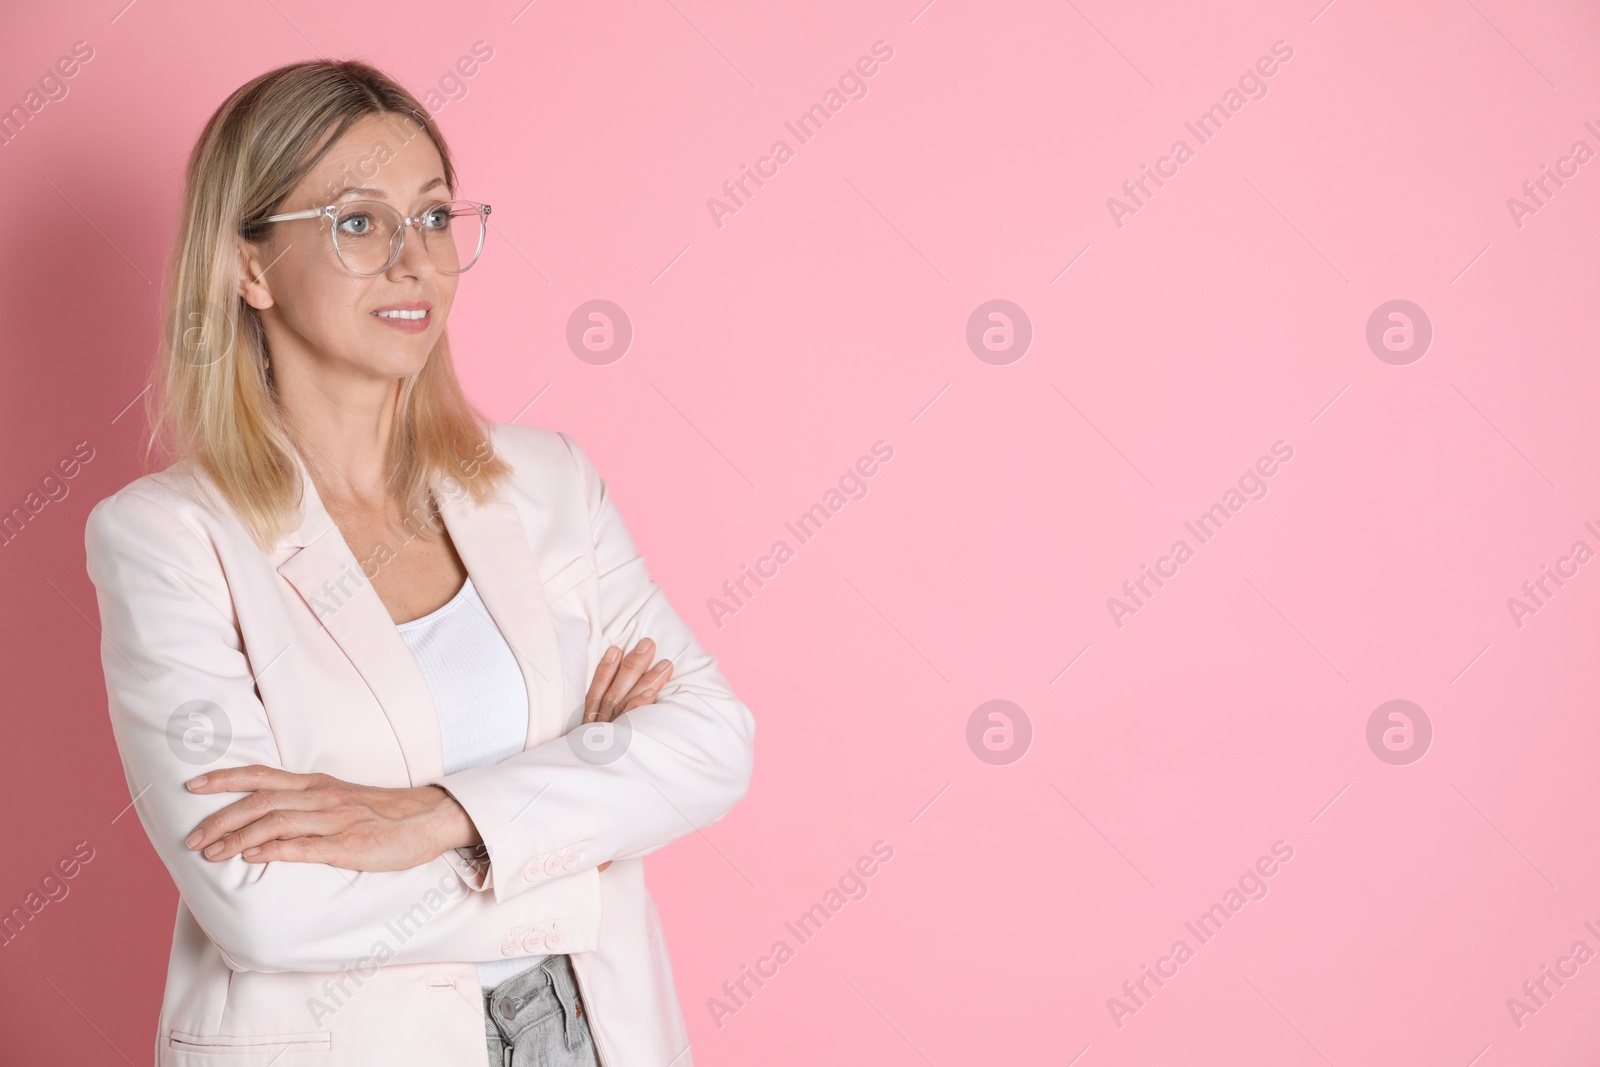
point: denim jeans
(535, 1019)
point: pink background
(831, 312)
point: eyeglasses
(368, 235)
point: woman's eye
(438, 218)
(356, 225)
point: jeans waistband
(535, 995)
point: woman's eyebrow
(369, 191)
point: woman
(364, 650)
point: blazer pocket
(246, 1044)
(569, 575)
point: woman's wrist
(452, 826)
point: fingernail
(193, 839)
(648, 694)
(610, 656)
(213, 848)
(661, 665)
(196, 782)
(251, 851)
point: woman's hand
(615, 690)
(317, 818)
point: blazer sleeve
(688, 759)
(170, 647)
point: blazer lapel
(493, 544)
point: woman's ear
(253, 286)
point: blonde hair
(214, 403)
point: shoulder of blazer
(541, 460)
(158, 517)
(184, 496)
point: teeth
(418, 314)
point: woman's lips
(405, 319)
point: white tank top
(482, 701)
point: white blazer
(216, 655)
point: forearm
(546, 813)
(300, 921)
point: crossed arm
(688, 763)
(317, 818)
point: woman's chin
(391, 363)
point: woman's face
(325, 323)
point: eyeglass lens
(366, 235)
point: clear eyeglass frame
(397, 243)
